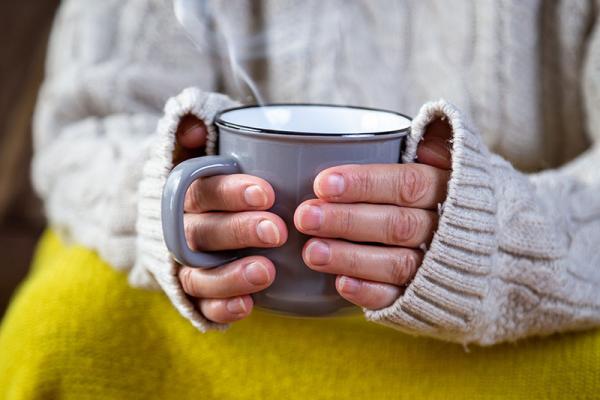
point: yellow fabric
(77, 331)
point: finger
(394, 265)
(227, 231)
(398, 226)
(191, 132)
(224, 311)
(440, 128)
(371, 295)
(236, 192)
(435, 147)
(408, 185)
(243, 276)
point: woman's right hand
(227, 212)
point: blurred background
(25, 24)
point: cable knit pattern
(514, 254)
(97, 112)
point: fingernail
(255, 196)
(236, 306)
(332, 185)
(439, 147)
(349, 285)
(256, 274)
(267, 232)
(311, 217)
(318, 253)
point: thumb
(435, 147)
(191, 133)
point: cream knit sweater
(515, 254)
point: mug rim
(249, 129)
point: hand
(222, 213)
(385, 213)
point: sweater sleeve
(514, 255)
(108, 76)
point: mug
(287, 145)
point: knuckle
(362, 182)
(403, 225)
(344, 220)
(411, 185)
(238, 228)
(400, 269)
(412, 264)
(194, 197)
(353, 263)
(189, 231)
(188, 281)
(221, 194)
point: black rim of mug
(220, 122)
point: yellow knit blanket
(76, 330)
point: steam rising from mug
(219, 33)
(194, 16)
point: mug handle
(178, 182)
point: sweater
(514, 253)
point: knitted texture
(97, 114)
(505, 262)
(76, 330)
(514, 253)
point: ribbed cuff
(154, 267)
(446, 299)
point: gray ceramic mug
(287, 145)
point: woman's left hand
(385, 213)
